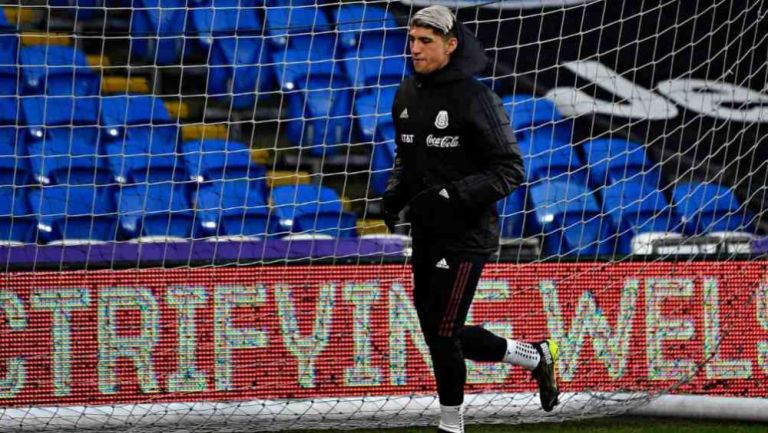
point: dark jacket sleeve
(395, 194)
(501, 163)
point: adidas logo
(404, 114)
(444, 193)
(442, 264)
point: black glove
(390, 210)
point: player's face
(429, 51)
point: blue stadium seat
(536, 119)
(221, 159)
(9, 61)
(231, 36)
(569, 218)
(318, 93)
(511, 211)
(612, 160)
(708, 207)
(376, 71)
(62, 140)
(57, 70)
(368, 29)
(157, 30)
(544, 139)
(371, 108)
(17, 222)
(553, 161)
(140, 139)
(75, 213)
(320, 116)
(635, 207)
(312, 209)
(14, 168)
(156, 211)
(382, 161)
(235, 208)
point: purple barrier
(198, 252)
(760, 245)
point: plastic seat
(312, 209)
(62, 140)
(382, 161)
(235, 209)
(157, 30)
(543, 137)
(231, 36)
(511, 211)
(634, 208)
(371, 108)
(318, 93)
(376, 71)
(75, 213)
(708, 207)
(140, 139)
(545, 159)
(156, 212)
(221, 159)
(615, 159)
(299, 38)
(57, 70)
(369, 29)
(320, 116)
(14, 168)
(569, 218)
(536, 119)
(17, 222)
(9, 61)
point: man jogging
(456, 157)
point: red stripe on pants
(457, 293)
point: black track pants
(444, 285)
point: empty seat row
(316, 55)
(326, 99)
(597, 205)
(65, 140)
(168, 211)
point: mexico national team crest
(441, 121)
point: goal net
(192, 234)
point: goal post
(192, 238)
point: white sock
(451, 419)
(522, 354)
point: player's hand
(390, 209)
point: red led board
(282, 332)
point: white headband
(437, 16)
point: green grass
(603, 425)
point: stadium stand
(590, 197)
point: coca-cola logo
(447, 141)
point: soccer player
(456, 157)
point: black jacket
(456, 154)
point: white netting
(148, 147)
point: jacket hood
(467, 60)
